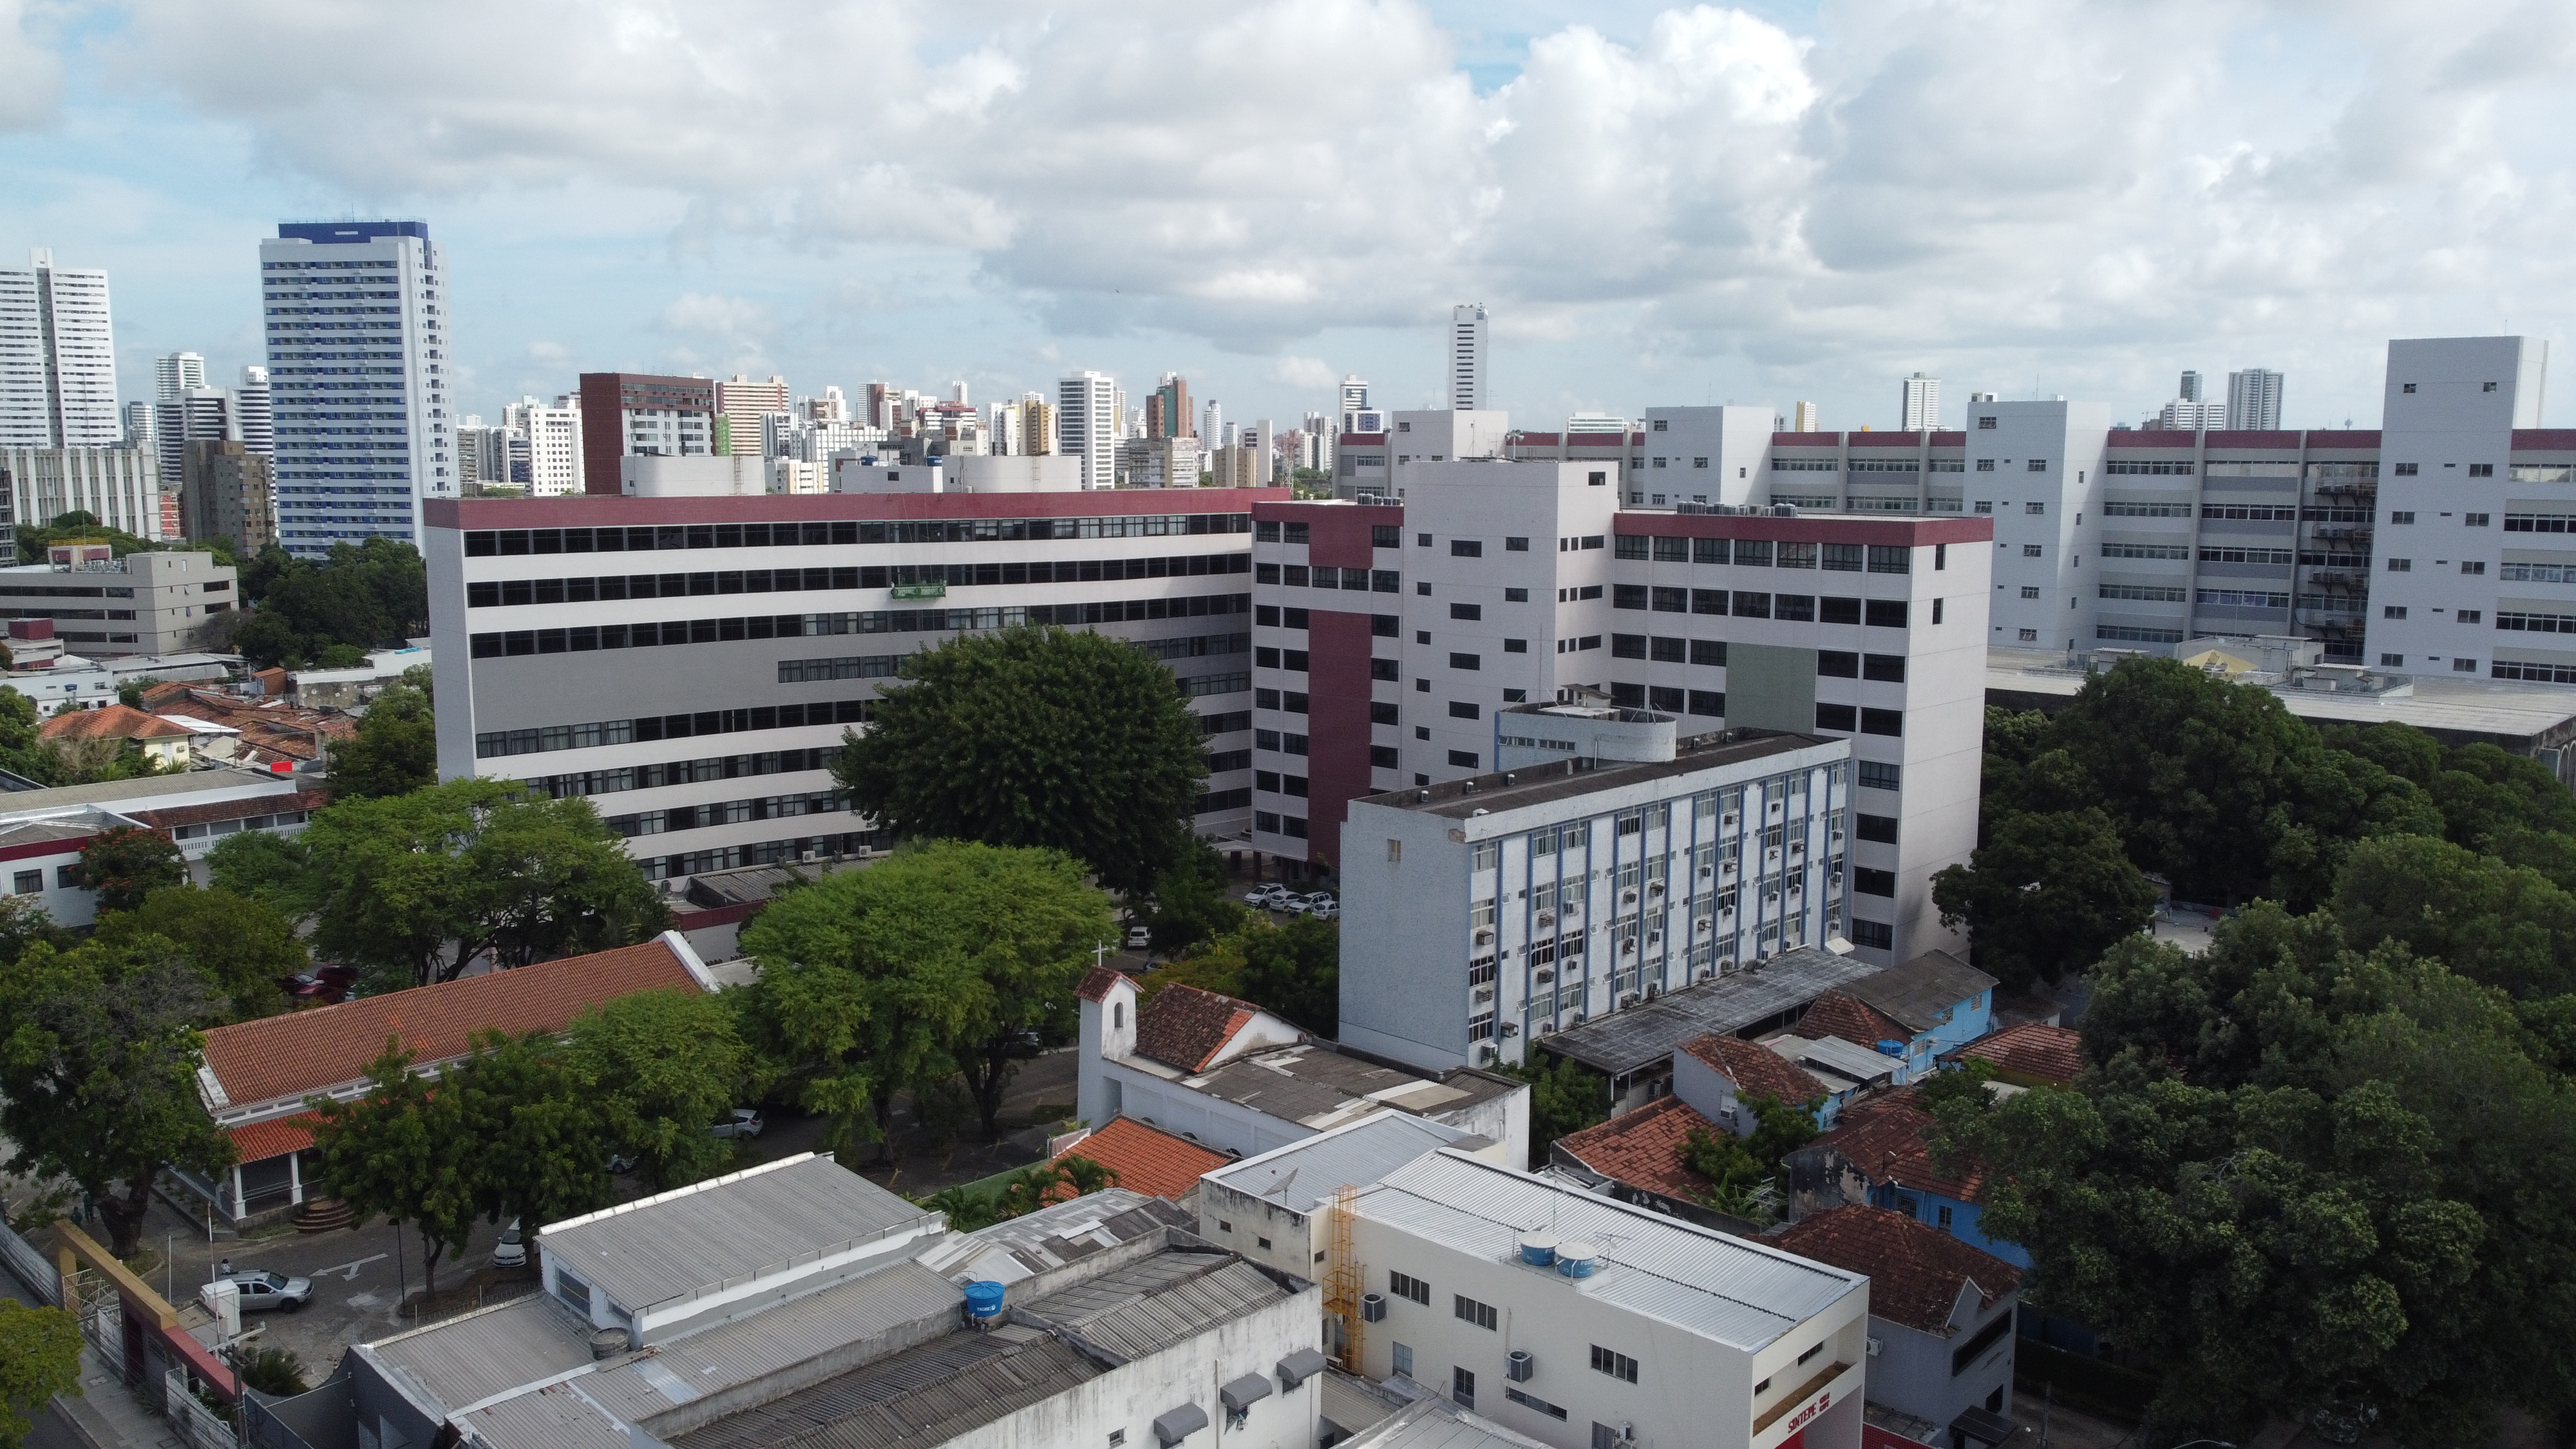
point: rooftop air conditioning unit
(1373, 1308)
(1518, 1366)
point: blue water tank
(1891, 1048)
(983, 1300)
(1538, 1249)
(1576, 1260)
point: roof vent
(1509, 776)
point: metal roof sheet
(1304, 1174)
(466, 1360)
(1740, 1293)
(1160, 1302)
(1432, 1423)
(557, 1418)
(922, 1396)
(1920, 992)
(727, 1230)
(1641, 1035)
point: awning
(1980, 1425)
(1179, 1424)
(1244, 1392)
(1300, 1366)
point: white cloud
(30, 76)
(2024, 185)
(1308, 374)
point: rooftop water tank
(1538, 1249)
(983, 1302)
(1576, 1260)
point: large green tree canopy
(1036, 736)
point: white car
(512, 1250)
(1139, 937)
(1269, 896)
(1319, 903)
(742, 1122)
(1323, 908)
(261, 1290)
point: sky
(1658, 205)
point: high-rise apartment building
(224, 492)
(1802, 417)
(829, 407)
(254, 411)
(1922, 409)
(120, 487)
(176, 372)
(627, 414)
(1037, 426)
(744, 403)
(1212, 433)
(1086, 425)
(553, 435)
(1467, 379)
(139, 428)
(1167, 410)
(57, 358)
(191, 415)
(2254, 400)
(357, 316)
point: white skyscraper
(1466, 357)
(1922, 404)
(1802, 417)
(553, 433)
(1086, 425)
(1354, 398)
(357, 357)
(174, 373)
(57, 358)
(1212, 425)
(198, 414)
(2254, 400)
(254, 420)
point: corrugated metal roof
(1433, 1424)
(1638, 1036)
(774, 1339)
(469, 1359)
(1737, 1292)
(557, 1418)
(727, 1230)
(924, 1396)
(1157, 1316)
(1053, 1236)
(1304, 1174)
(1921, 992)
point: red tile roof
(304, 1052)
(1644, 1148)
(1885, 1140)
(1185, 1027)
(110, 722)
(1916, 1271)
(1154, 1163)
(1852, 1019)
(276, 1137)
(1096, 983)
(1753, 1067)
(2041, 1053)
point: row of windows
(1878, 613)
(2537, 623)
(1844, 719)
(685, 772)
(646, 728)
(2146, 593)
(874, 621)
(725, 812)
(2536, 522)
(612, 587)
(1381, 535)
(1764, 553)
(505, 543)
(1326, 576)
(2243, 599)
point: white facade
(174, 373)
(1678, 1337)
(1922, 405)
(1705, 455)
(1483, 914)
(2254, 400)
(553, 434)
(1467, 373)
(744, 404)
(143, 603)
(2034, 466)
(57, 357)
(357, 319)
(254, 414)
(192, 415)
(121, 487)
(1087, 425)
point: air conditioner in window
(1706, 925)
(1545, 975)
(1547, 918)
(1628, 999)
(1655, 939)
(1483, 937)
(1628, 947)
(1484, 994)
(1655, 890)
(1706, 871)
(1628, 897)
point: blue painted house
(1911, 1013)
(1878, 1154)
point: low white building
(103, 606)
(1273, 1208)
(1580, 1321)
(1484, 913)
(42, 831)
(1228, 1075)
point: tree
(2504, 925)
(1565, 1096)
(370, 595)
(945, 957)
(126, 863)
(40, 1352)
(2302, 1179)
(22, 750)
(2046, 896)
(1189, 903)
(1036, 736)
(98, 1073)
(661, 1065)
(406, 1151)
(240, 947)
(1744, 1172)
(543, 1131)
(23, 923)
(394, 752)
(414, 888)
(1294, 970)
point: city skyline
(2215, 233)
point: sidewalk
(108, 1415)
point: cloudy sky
(1782, 201)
